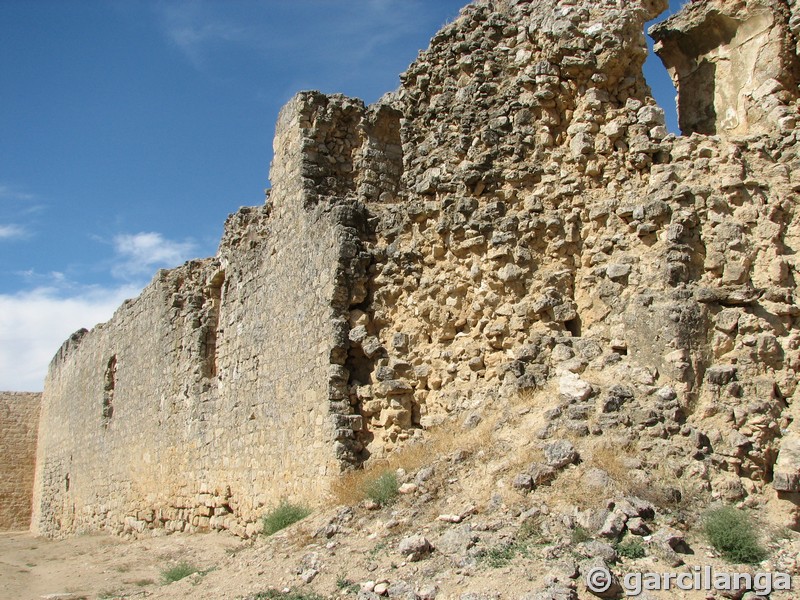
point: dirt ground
(105, 567)
(489, 540)
(99, 566)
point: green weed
(631, 549)
(282, 516)
(178, 572)
(732, 533)
(382, 489)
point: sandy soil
(465, 506)
(99, 566)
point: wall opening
(658, 78)
(110, 382)
(721, 59)
(574, 326)
(211, 330)
(697, 113)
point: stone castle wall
(19, 425)
(213, 394)
(514, 217)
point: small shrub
(379, 547)
(178, 572)
(382, 489)
(346, 585)
(531, 531)
(631, 549)
(732, 533)
(580, 535)
(500, 556)
(282, 516)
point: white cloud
(191, 26)
(140, 254)
(11, 232)
(34, 324)
(8, 192)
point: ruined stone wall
(523, 126)
(212, 394)
(553, 238)
(514, 218)
(19, 424)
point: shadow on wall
(696, 112)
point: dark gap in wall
(210, 364)
(110, 382)
(574, 326)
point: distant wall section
(19, 424)
(221, 389)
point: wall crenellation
(514, 218)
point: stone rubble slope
(497, 510)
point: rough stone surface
(19, 426)
(560, 453)
(512, 218)
(414, 547)
(786, 477)
(735, 65)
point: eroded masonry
(19, 426)
(514, 217)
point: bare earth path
(98, 566)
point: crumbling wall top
(735, 65)
(512, 86)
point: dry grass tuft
(300, 537)
(658, 483)
(668, 488)
(571, 487)
(352, 487)
(612, 459)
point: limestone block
(572, 387)
(786, 473)
(560, 453)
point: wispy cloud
(316, 37)
(140, 254)
(34, 324)
(8, 192)
(17, 206)
(11, 232)
(192, 26)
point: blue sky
(130, 130)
